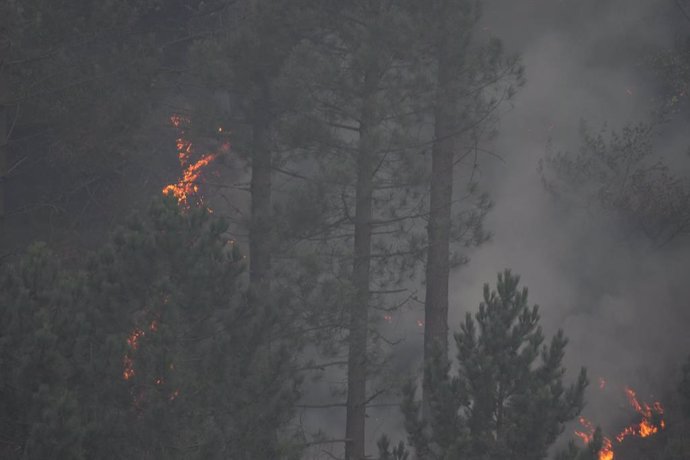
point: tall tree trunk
(260, 233)
(438, 252)
(359, 312)
(4, 128)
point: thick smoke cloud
(621, 302)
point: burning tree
(204, 374)
(152, 354)
(507, 399)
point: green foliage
(155, 354)
(43, 359)
(507, 399)
(619, 172)
(77, 84)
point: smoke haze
(621, 302)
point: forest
(305, 229)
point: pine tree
(363, 91)
(205, 374)
(43, 360)
(77, 83)
(469, 81)
(154, 353)
(620, 173)
(507, 399)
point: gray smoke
(622, 303)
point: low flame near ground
(651, 423)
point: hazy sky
(620, 302)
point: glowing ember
(128, 365)
(133, 339)
(187, 187)
(651, 423)
(127, 361)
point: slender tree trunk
(260, 233)
(438, 253)
(359, 313)
(4, 129)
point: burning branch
(187, 187)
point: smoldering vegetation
(265, 229)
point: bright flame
(606, 452)
(645, 428)
(187, 187)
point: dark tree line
(355, 131)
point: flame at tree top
(186, 189)
(651, 423)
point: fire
(128, 365)
(127, 361)
(133, 339)
(606, 452)
(652, 422)
(646, 427)
(187, 187)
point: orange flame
(187, 186)
(646, 426)
(606, 452)
(643, 429)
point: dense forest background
(265, 229)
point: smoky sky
(620, 301)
